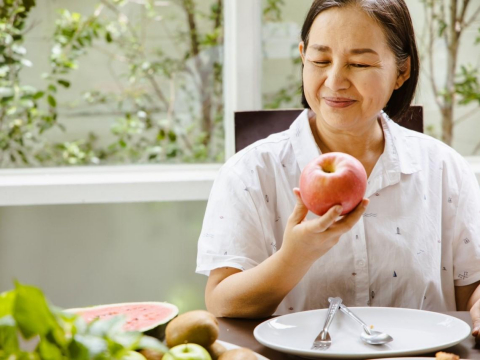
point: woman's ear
(404, 73)
(301, 48)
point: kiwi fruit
(150, 354)
(198, 327)
(216, 350)
(238, 354)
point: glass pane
(282, 24)
(111, 82)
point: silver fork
(323, 340)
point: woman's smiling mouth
(339, 102)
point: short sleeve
(466, 242)
(232, 234)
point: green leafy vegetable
(31, 329)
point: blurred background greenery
(105, 82)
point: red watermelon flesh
(140, 316)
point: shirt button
(361, 263)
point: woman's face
(349, 70)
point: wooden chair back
(251, 126)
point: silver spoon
(368, 335)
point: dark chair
(251, 126)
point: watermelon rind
(157, 329)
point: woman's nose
(337, 79)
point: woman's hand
(475, 314)
(467, 298)
(312, 239)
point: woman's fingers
(345, 224)
(300, 210)
(325, 221)
(328, 220)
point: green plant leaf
(49, 351)
(7, 300)
(442, 26)
(8, 334)
(51, 101)
(38, 95)
(64, 83)
(31, 311)
(148, 342)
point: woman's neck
(365, 144)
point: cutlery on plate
(323, 340)
(368, 335)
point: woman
(413, 242)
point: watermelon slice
(150, 318)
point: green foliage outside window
(148, 126)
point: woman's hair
(394, 18)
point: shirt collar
(303, 142)
(398, 156)
(399, 147)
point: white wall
(84, 255)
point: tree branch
(149, 76)
(466, 116)
(189, 7)
(172, 100)
(444, 19)
(476, 149)
(110, 54)
(431, 40)
(120, 14)
(453, 22)
(463, 11)
(107, 113)
(218, 17)
(473, 18)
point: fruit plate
(414, 332)
(230, 346)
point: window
(104, 82)
(108, 112)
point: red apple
(333, 179)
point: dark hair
(394, 18)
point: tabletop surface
(240, 332)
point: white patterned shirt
(419, 237)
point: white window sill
(109, 184)
(115, 184)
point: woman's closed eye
(323, 63)
(360, 65)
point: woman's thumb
(300, 210)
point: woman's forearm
(257, 292)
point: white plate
(414, 332)
(230, 346)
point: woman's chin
(340, 121)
